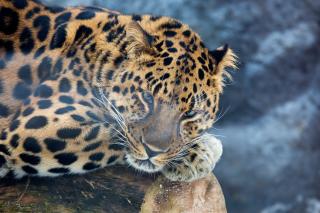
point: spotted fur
(83, 88)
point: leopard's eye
(190, 114)
(147, 97)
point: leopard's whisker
(105, 104)
(119, 132)
(109, 102)
(114, 112)
(222, 114)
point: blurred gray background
(271, 111)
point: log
(116, 189)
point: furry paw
(199, 162)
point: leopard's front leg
(61, 129)
(199, 162)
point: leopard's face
(165, 98)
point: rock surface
(111, 190)
(272, 124)
(204, 195)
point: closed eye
(190, 114)
(147, 97)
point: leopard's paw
(199, 162)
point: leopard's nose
(150, 151)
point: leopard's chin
(143, 165)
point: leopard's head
(164, 96)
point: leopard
(83, 88)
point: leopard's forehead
(182, 68)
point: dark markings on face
(201, 60)
(16, 115)
(85, 103)
(155, 18)
(29, 170)
(187, 33)
(169, 33)
(88, 14)
(4, 111)
(164, 55)
(31, 159)
(125, 91)
(96, 156)
(66, 99)
(43, 91)
(64, 110)
(43, 25)
(14, 141)
(164, 76)
(26, 102)
(110, 74)
(115, 147)
(66, 158)
(31, 144)
(167, 61)
(36, 122)
(20, 4)
(157, 88)
(57, 68)
(136, 17)
(172, 50)
(64, 85)
(14, 125)
(201, 74)
(92, 134)
(3, 135)
(159, 46)
(21, 91)
(68, 133)
(116, 89)
(90, 166)
(112, 159)
(32, 12)
(110, 24)
(59, 170)
(4, 149)
(114, 33)
(44, 68)
(78, 118)
(61, 19)
(169, 43)
(7, 54)
(39, 52)
(59, 37)
(92, 146)
(194, 88)
(83, 32)
(28, 111)
(26, 41)
(2, 161)
(171, 25)
(81, 90)
(54, 145)
(24, 74)
(9, 21)
(93, 116)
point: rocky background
(270, 121)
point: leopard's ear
(139, 41)
(224, 58)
